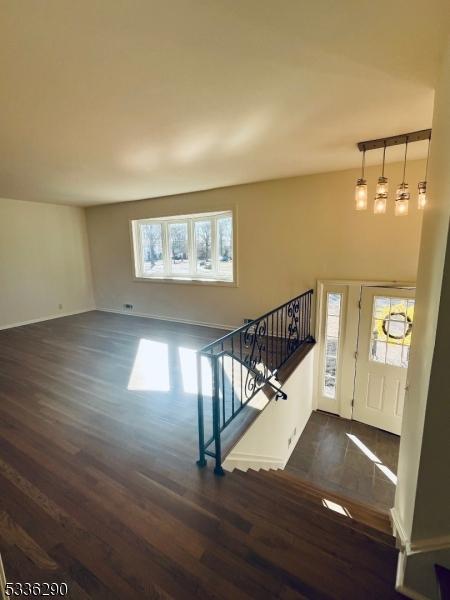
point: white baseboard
(171, 319)
(244, 461)
(398, 530)
(409, 550)
(47, 318)
(433, 544)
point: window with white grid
(195, 247)
(392, 325)
(332, 334)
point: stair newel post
(218, 470)
(201, 422)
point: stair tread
(378, 527)
(315, 489)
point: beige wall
(44, 261)
(290, 233)
(266, 443)
(423, 493)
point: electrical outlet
(128, 306)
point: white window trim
(193, 277)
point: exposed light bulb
(379, 206)
(402, 200)
(401, 208)
(422, 195)
(382, 185)
(361, 194)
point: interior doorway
(364, 332)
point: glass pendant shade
(361, 194)
(402, 200)
(380, 203)
(422, 196)
(382, 185)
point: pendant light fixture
(380, 203)
(361, 188)
(402, 196)
(422, 186)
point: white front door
(385, 329)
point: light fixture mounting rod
(395, 140)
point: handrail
(242, 362)
(246, 325)
(280, 393)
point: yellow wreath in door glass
(400, 312)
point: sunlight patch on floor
(385, 470)
(336, 507)
(189, 375)
(151, 367)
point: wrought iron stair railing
(234, 368)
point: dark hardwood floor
(99, 486)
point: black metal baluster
(201, 422)
(304, 317)
(271, 345)
(276, 339)
(301, 319)
(218, 470)
(223, 386)
(232, 376)
(308, 317)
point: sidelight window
(332, 333)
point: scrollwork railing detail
(244, 361)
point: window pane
(381, 307)
(334, 304)
(392, 322)
(179, 247)
(203, 240)
(330, 366)
(225, 245)
(397, 328)
(331, 347)
(151, 240)
(330, 387)
(379, 329)
(378, 351)
(394, 355)
(332, 326)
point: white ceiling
(112, 100)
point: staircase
(317, 552)
(297, 494)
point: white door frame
(342, 405)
